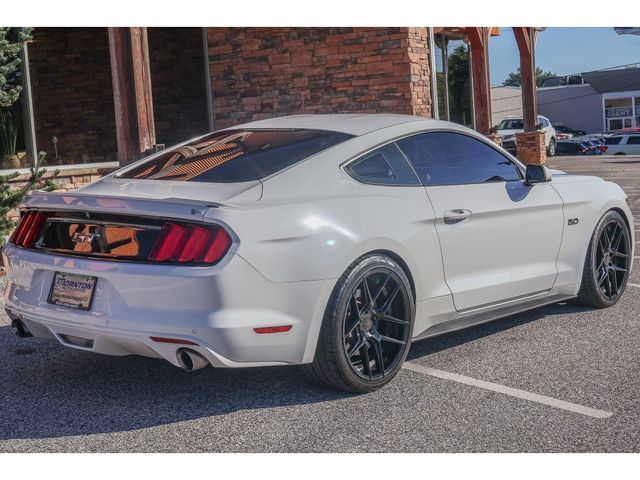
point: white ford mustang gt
(332, 241)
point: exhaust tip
(190, 360)
(20, 329)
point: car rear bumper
(217, 308)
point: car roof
(351, 123)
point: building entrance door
(618, 123)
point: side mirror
(537, 174)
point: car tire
(551, 149)
(619, 153)
(367, 327)
(606, 266)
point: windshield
(235, 155)
(511, 124)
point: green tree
(10, 197)
(515, 80)
(459, 85)
(11, 40)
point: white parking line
(512, 392)
(637, 285)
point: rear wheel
(551, 149)
(367, 327)
(606, 268)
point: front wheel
(606, 267)
(367, 327)
(551, 149)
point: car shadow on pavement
(433, 345)
(50, 391)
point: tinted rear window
(236, 155)
(612, 140)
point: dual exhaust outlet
(18, 327)
(190, 360)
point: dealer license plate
(72, 291)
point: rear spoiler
(125, 205)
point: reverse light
(190, 244)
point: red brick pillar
(530, 147)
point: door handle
(456, 216)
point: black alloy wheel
(612, 259)
(367, 327)
(606, 269)
(376, 326)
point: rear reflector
(279, 329)
(172, 340)
(190, 244)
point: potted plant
(9, 127)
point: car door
(499, 237)
(633, 145)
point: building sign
(618, 112)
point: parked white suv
(514, 124)
(628, 144)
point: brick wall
(72, 93)
(176, 57)
(530, 147)
(263, 72)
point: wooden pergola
(133, 102)
(132, 92)
(530, 150)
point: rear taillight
(190, 244)
(603, 148)
(29, 229)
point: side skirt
(472, 319)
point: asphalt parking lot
(560, 379)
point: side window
(635, 140)
(383, 166)
(612, 140)
(545, 123)
(446, 158)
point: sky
(565, 50)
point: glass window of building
(453, 78)
(618, 113)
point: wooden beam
(525, 40)
(132, 93)
(479, 41)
